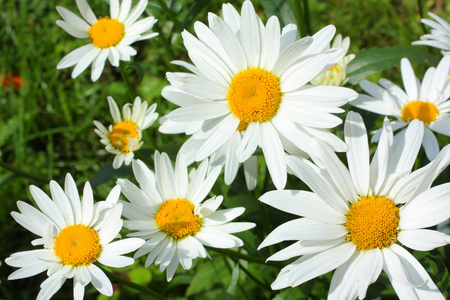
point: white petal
(223, 130)
(320, 264)
(74, 56)
(409, 80)
(430, 144)
(71, 191)
(251, 172)
(303, 203)
(358, 153)
(274, 154)
(303, 229)
(423, 239)
(72, 30)
(47, 206)
(85, 61)
(427, 209)
(100, 281)
(407, 147)
(87, 204)
(250, 34)
(61, 200)
(86, 11)
(217, 239)
(310, 174)
(270, 47)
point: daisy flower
(74, 234)
(110, 37)
(124, 136)
(252, 78)
(427, 102)
(336, 75)
(440, 34)
(168, 211)
(354, 219)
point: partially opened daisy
(337, 74)
(439, 36)
(168, 211)
(74, 235)
(427, 102)
(358, 221)
(125, 136)
(110, 37)
(253, 78)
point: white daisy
(125, 136)
(440, 34)
(427, 102)
(247, 75)
(169, 213)
(74, 234)
(354, 218)
(111, 37)
(336, 75)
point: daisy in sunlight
(336, 75)
(358, 220)
(168, 211)
(427, 102)
(125, 136)
(110, 37)
(252, 79)
(74, 235)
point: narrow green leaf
(231, 290)
(375, 60)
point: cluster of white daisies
(253, 86)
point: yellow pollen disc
(177, 219)
(372, 222)
(424, 111)
(254, 95)
(106, 32)
(334, 68)
(242, 126)
(77, 245)
(120, 134)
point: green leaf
(140, 275)
(375, 60)
(108, 173)
(208, 274)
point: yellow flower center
(77, 245)
(424, 111)
(242, 126)
(177, 219)
(120, 134)
(106, 32)
(372, 222)
(334, 68)
(254, 95)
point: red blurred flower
(11, 78)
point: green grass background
(46, 127)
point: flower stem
(132, 285)
(249, 258)
(126, 79)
